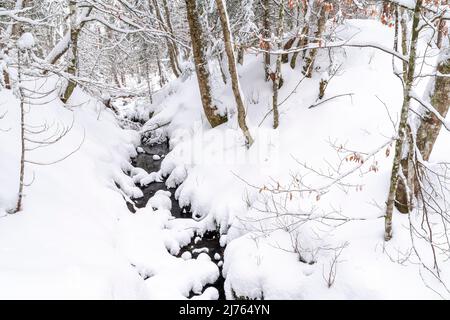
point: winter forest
(224, 149)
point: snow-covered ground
(267, 232)
(75, 237)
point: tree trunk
(310, 60)
(222, 71)
(12, 31)
(397, 188)
(176, 51)
(404, 32)
(303, 40)
(22, 138)
(277, 76)
(149, 82)
(73, 59)
(266, 36)
(201, 64)
(238, 95)
(162, 77)
(287, 46)
(171, 47)
(430, 126)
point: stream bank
(209, 242)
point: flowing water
(208, 242)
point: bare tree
(323, 8)
(201, 65)
(237, 91)
(276, 78)
(403, 130)
(266, 35)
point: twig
(339, 95)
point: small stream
(208, 242)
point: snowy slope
(75, 238)
(62, 245)
(224, 183)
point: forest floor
(77, 238)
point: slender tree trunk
(171, 47)
(277, 77)
(404, 33)
(73, 59)
(222, 71)
(22, 137)
(287, 46)
(170, 27)
(149, 83)
(237, 91)
(201, 64)
(310, 60)
(266, 36)
(162, 77)
(64, 43)
(176, 51)
(303, 40)
(395, 186)
(12, 31)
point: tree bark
(201, 64)
(395, 187)
(266, 36)
(287, 46)
(310, 60)
(73, 59)
(171, 47)
(277, 76)
(22, 137)
(404, 32)
(162, 76)
(303, 40)
(13, 30)
(238, 96)
(221, 68)
(430, 126)
(75, 29)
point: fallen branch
(338, 96)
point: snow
(209, 294)
(223, 183)
(200, 250)
(76, 238)
(406, 3)
(59, 48)
(62, 245)
(26, 41)
(186, 255)
(161, 200)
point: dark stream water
(208, 242)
